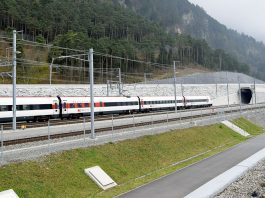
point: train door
(142, 103)
(184, 102)
(55, 107)
(65, 107)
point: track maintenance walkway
(184, 181)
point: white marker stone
(100, 177)
(8, 194)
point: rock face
(219, 93)
(212, 90)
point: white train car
(168, 102)
(155, 103)
(79, 106)
(29, 108)
(44, 108)
(197, 101)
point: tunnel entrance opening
(246, 95)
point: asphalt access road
(182, 182)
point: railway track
(58, 122)
(86, 132)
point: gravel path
(252, 184)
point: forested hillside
(183, 17)
(111, 27)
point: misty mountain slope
(110, 27)
(180, 16)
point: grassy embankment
(248, 126)
(62, 175)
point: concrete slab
(100, 177)
(8, 194)
(235, 128)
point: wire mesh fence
(111, 130)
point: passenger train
(44, 108)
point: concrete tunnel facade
(246, 94)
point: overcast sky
(247, 16)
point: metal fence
(137, 126)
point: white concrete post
(14, 77)
(91, 70)
(167, 119)
(84, 127)
(255, 91)
(2, 145)
(120, 82)
(239, 89)
(133, 124)
(50, 68)
(227, 91)
(175, 91)
(112, 126)
(49, 136)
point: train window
(10, 107)
(64, 105)
(72, 105)
(33, 107)
(79, 105)
(3, 108)
(19, 108)
(26, 107)
(86, 105)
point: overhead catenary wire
(106, 68)
(36, 44)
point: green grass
(248, 126)
(62, 175)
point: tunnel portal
(246, 95)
